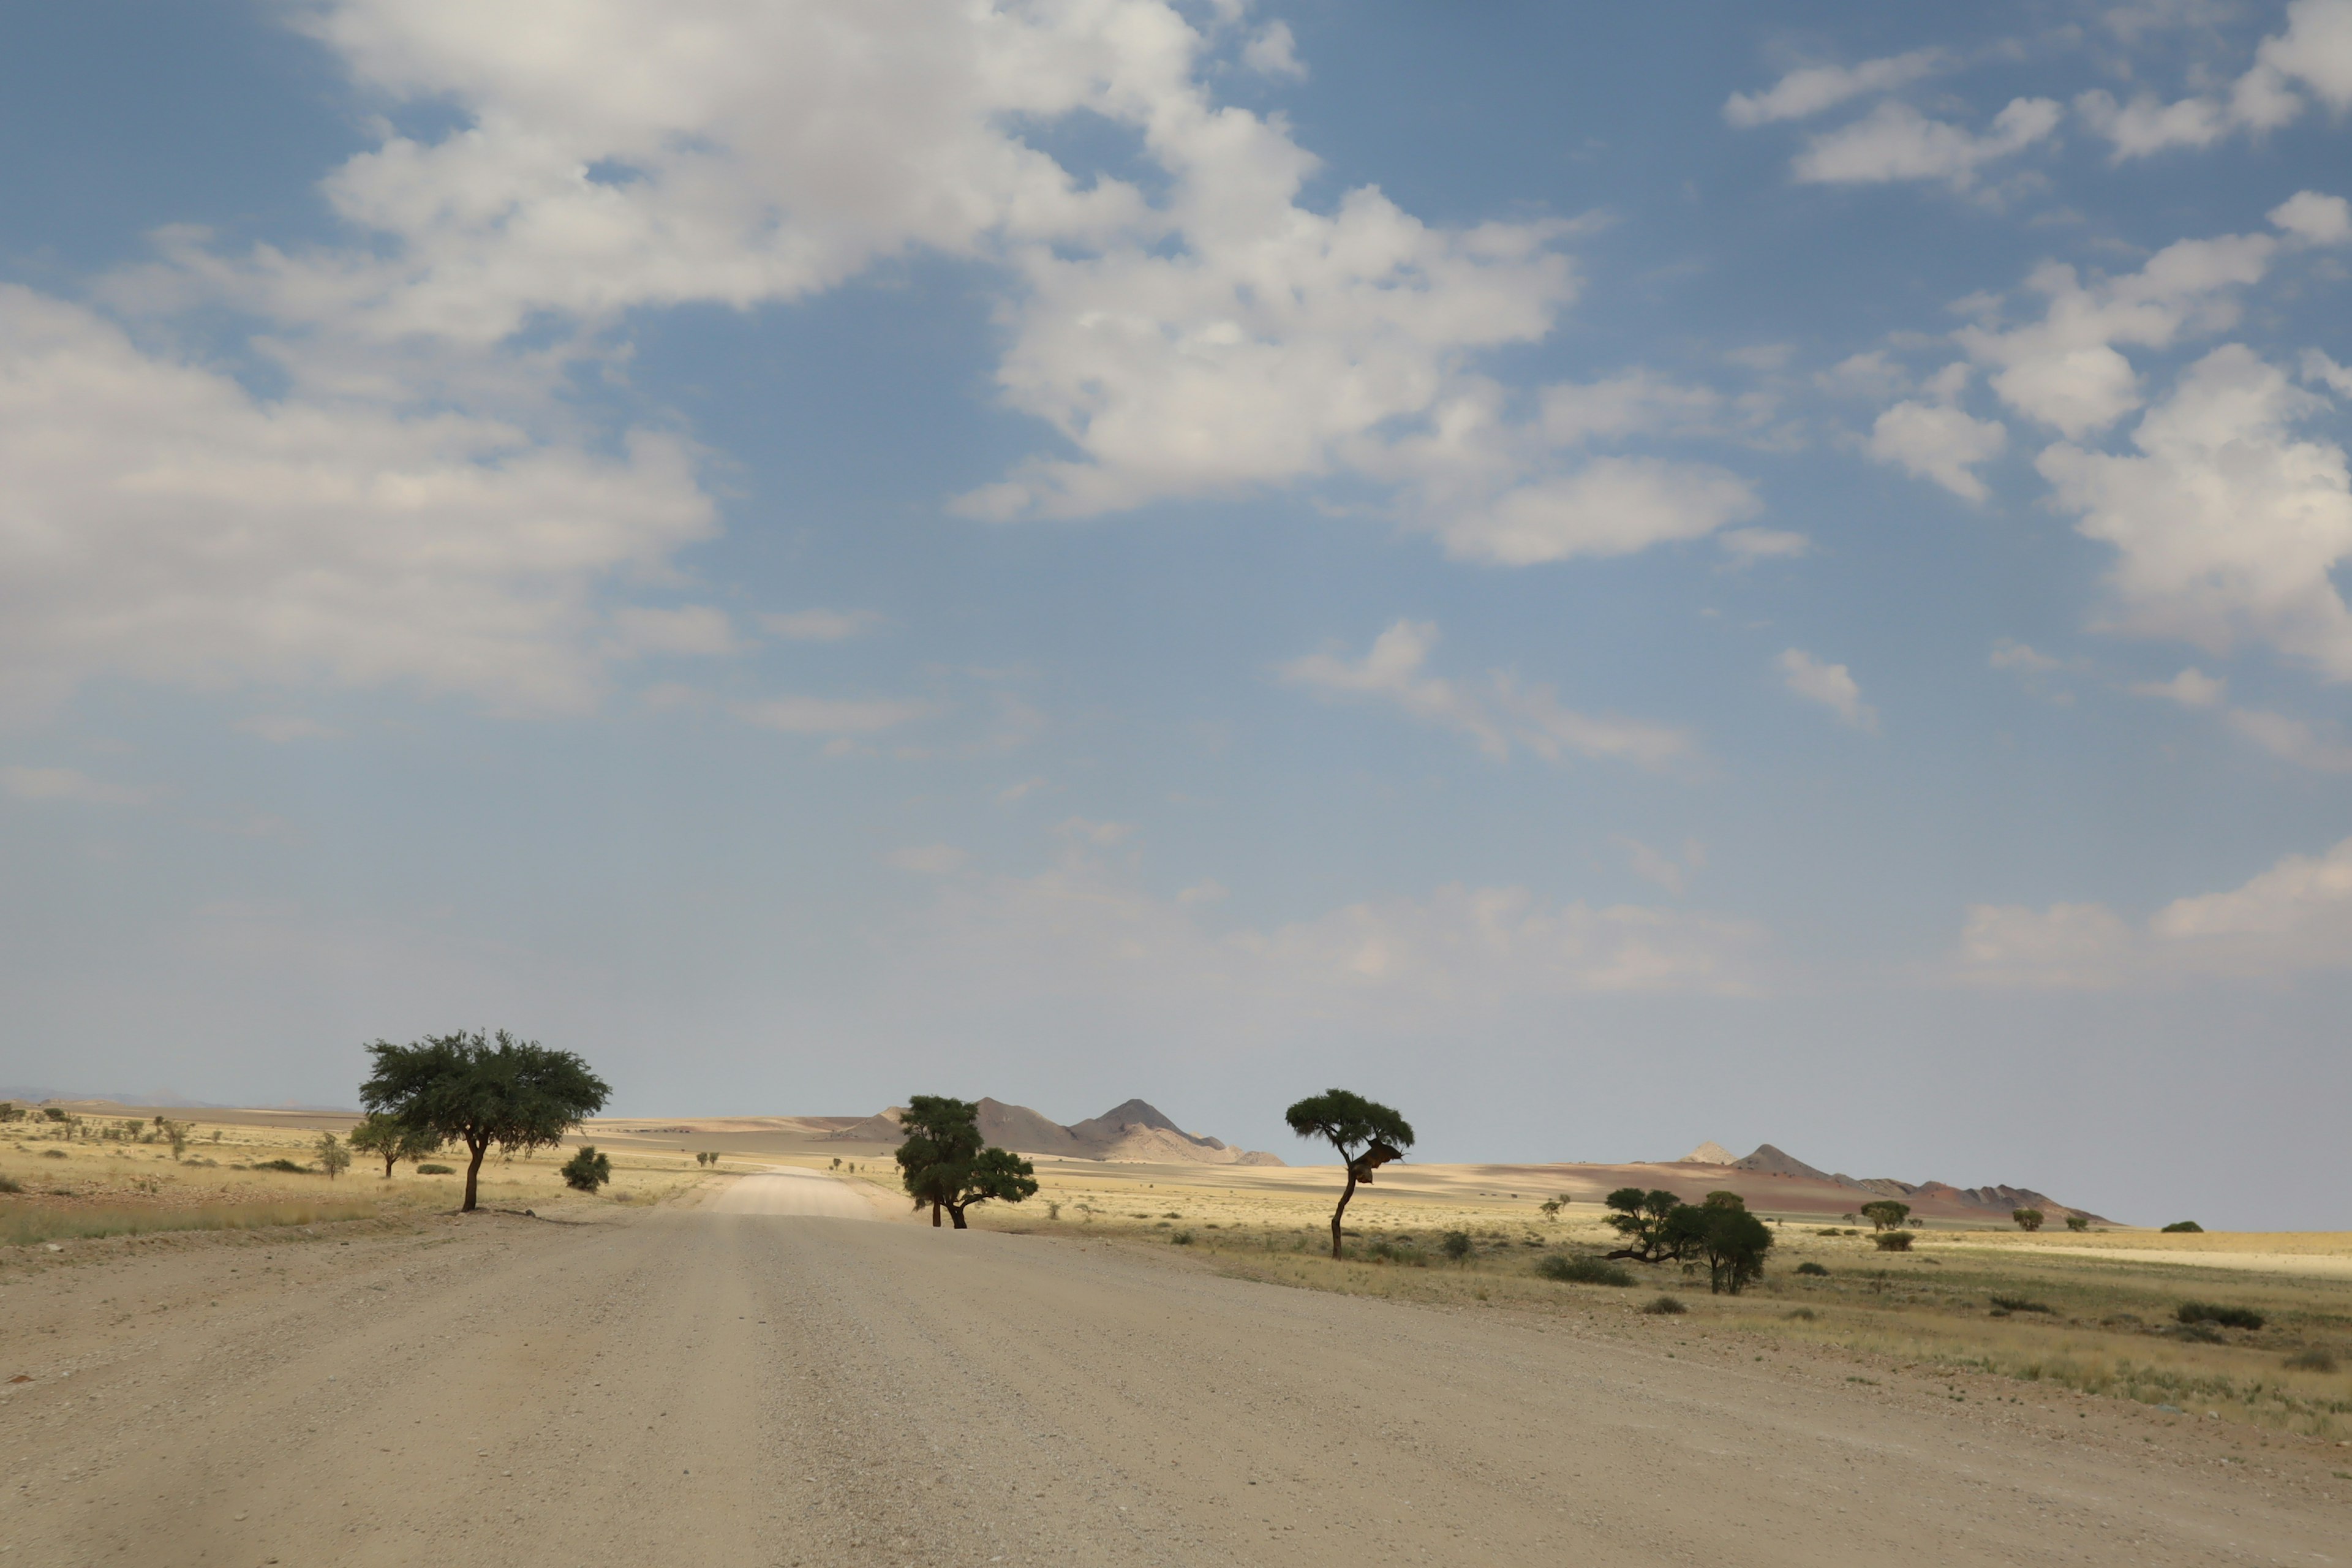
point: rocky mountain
(1135, 1131)
(1999, 1199)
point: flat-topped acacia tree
(946, 1163)
(516, 1094)
(383, 1138)
(1367, 1134)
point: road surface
(691, 1387)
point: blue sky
(1613, 577)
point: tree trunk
(1342, 1209)
(955, 1213)
(935, 1214)
(389, 1162)
(473, 1169)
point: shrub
(2027, 1219)
(54, 1154)
(281, 1165)
(1582, 1268)
(2228, 1317)
(1183, 1238)
(1456, 1244)
(587, 1170)
(435, 1171)
(1665, 1307)
(2019, 1304)
(2203, 1333)
(1810, 1267)
(1893, 1240)
(2078, 1222)
(10, 1184)
(2184, 1227)
(1802, 1314)
(2313, 1358)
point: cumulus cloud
(2192, 688)
(67, 784)
(1811, 89)
(1940, 442)
(2295, 917)
(1831, 685)
(2313, 54)
(1610, 506)
(162, 522)
(1497, 714)
(2227, 525)
(1896, 142)
(1272, 51)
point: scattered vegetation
(1811, 1267)
(1366, 1133)
(380, 1137)
(1582, 1268)
(1665, 1307)
(1893, 1240)
(2184, 1226)
(24, 1227)
(2021, 1304)
(2208, 1312)
(1456, 1244)
(281, 1165)
(1886, 1214)
(2312, 1358)
(435, 1171)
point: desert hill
(1939, 1198)
(1135, 1131)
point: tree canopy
(467, 1089)
(1886, 1213)
(386, 1138)
(1733, 1242)
(946, 1163)
(1366, 1133)
(1657, 1226)
(2027, 1219)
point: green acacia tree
(1656, 1226)
(1367, 1134)
(386, 1138)
(2027, 1219)
(1733, 1242)
(478, 1092)
(587, 1170)
(334, 1156)
(946, 1163)
(1886, 1213)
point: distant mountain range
(1768, 1160)
(1134, 1130)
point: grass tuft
(1582, 1268)
(1665, 1307)
(24, 1227)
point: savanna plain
(746, 1350)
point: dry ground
(728, 1378)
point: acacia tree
(2027, 1219)
(516, 1094)
(1732, 1240)
(1657, 1226)
(1886, 1213)
(333, 1157)
(386, 1138)
(1367, 1134)
(946, 1163)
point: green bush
(282, 1165)
(54, 1154)
(2184, 1227)
(2019, 1304)
(1582, 1268)
(1811, 1269)
(2228, 1317)
(587, 1170)
(1183, 1238)
(435, 1171)
(1456, 1244)
(1893, 1240)
(2313, 1358)
(10, 1184)
(1802, 1314)
(1665, 1307)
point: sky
(1608, 576)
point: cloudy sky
(1611, 576)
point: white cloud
(1495, 714)
(2295, 917)
(821, 626)
(1751, 544)
(1831, 685)
(2022, 659)
(1211, 891)
(2313, 53)
(1610, 506)
(1807, 91)
(2192, 688)
(1657, 866)
(2315, 218)
(68, 784)
(1938, 442)
(832, 716)
(161, 522)
(1272, 51)
(2291, 740)
(2316, 366)
(2226, 526)
(1896, 142)
(930, 860)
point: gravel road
(691, 1386)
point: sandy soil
(698, 1385)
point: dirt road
(700, 1386)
